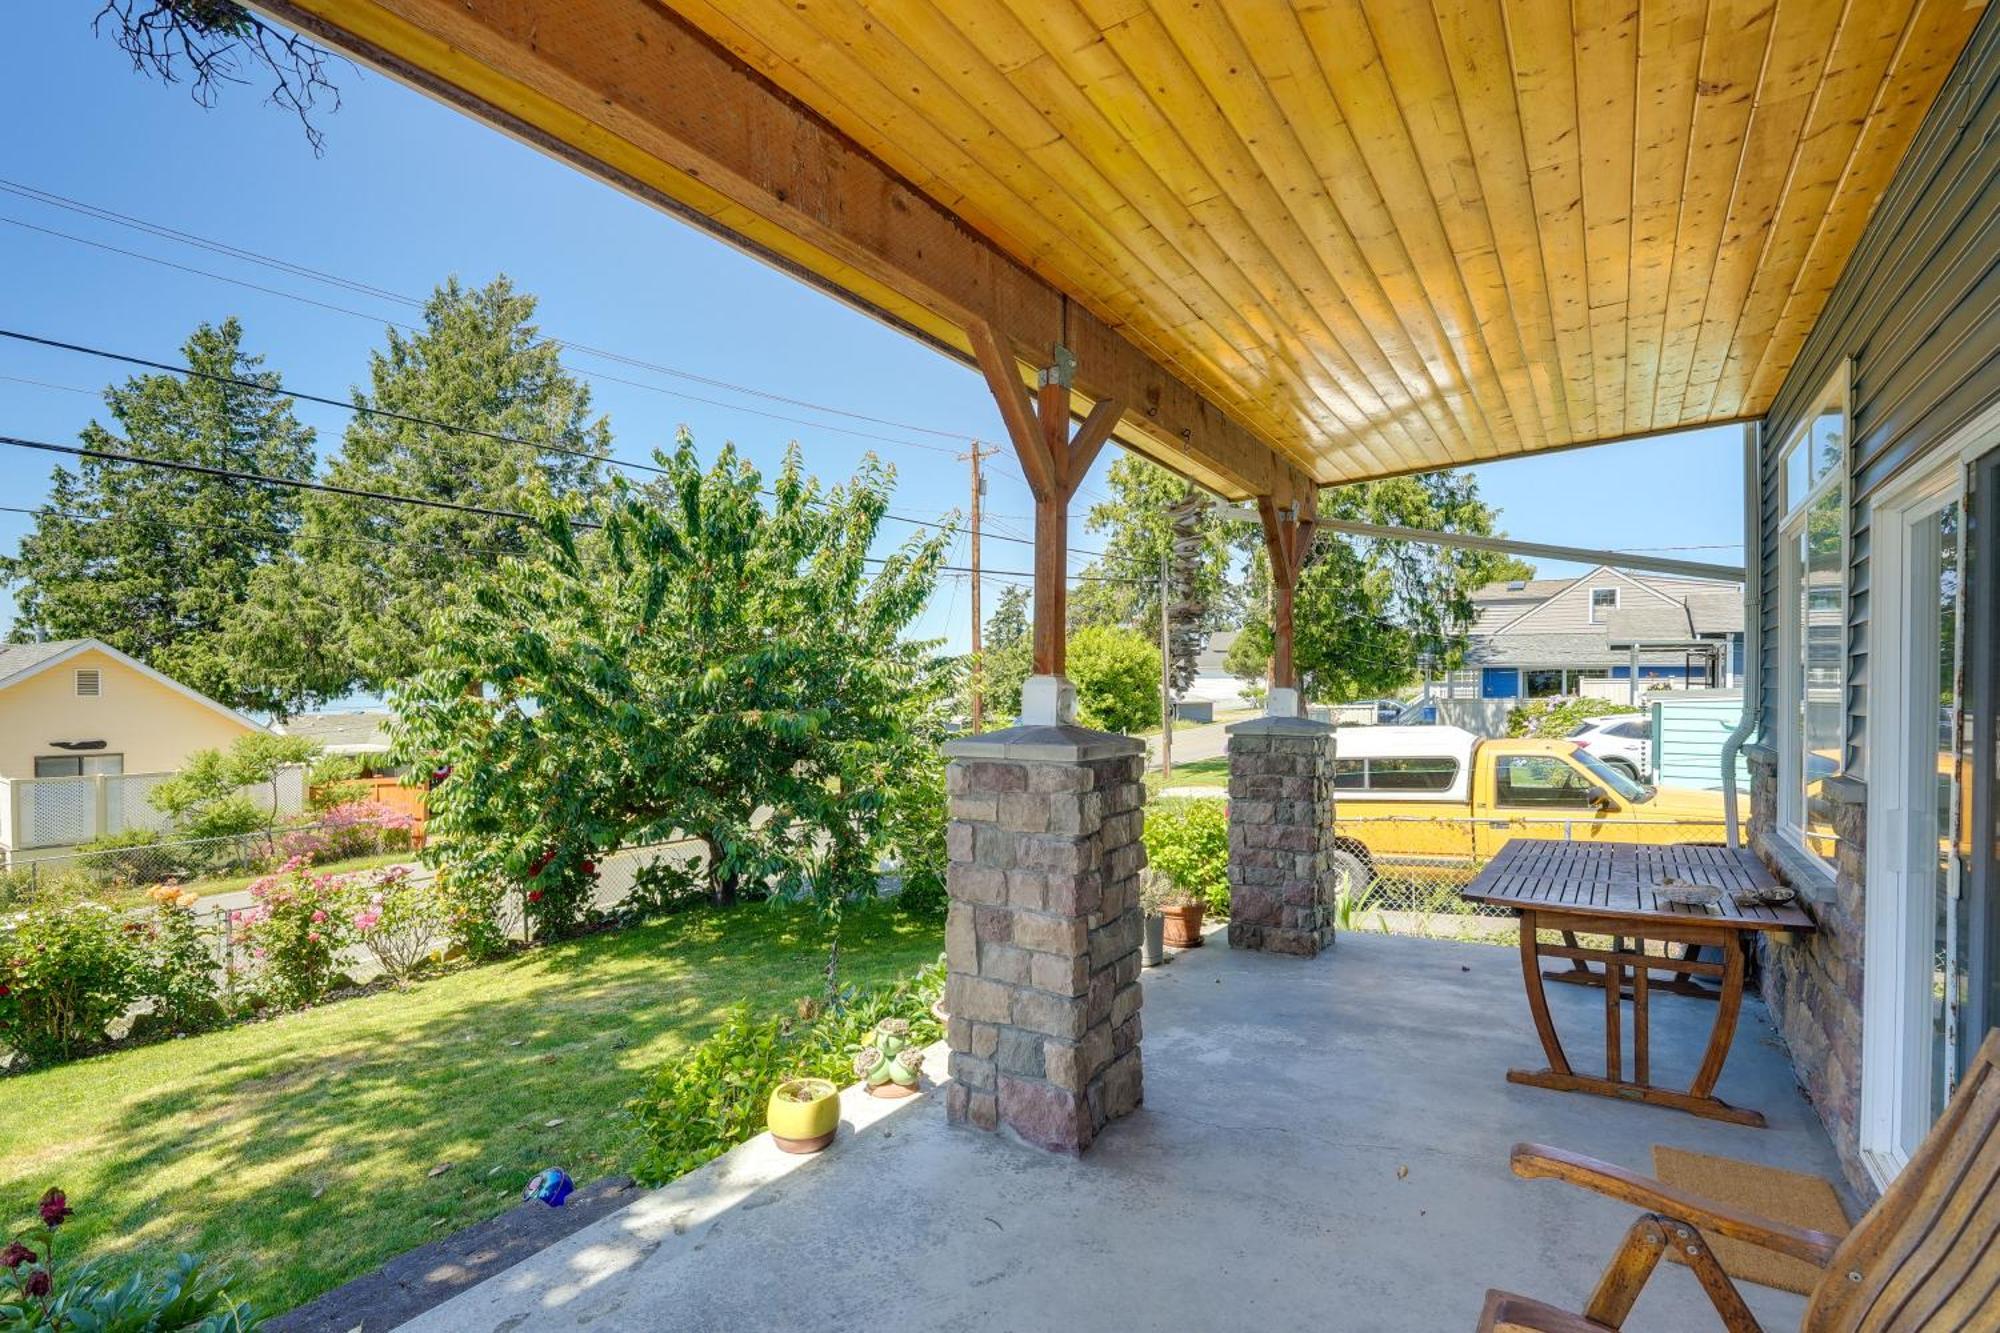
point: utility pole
(978, 665)
(1166, 671)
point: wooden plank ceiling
(1379, 236)
(1390, 235)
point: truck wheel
(1352, 873)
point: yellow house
(80, 723)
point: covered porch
(1323, 1144)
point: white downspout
(1753, 626)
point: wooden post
(1054, 461)
(1288, 537)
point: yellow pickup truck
(1442, 797)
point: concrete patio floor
(1323, 1145)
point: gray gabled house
(1535, 638)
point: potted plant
(1154, 890)
(888, 1065)
(1180, 912)
(803, 1114)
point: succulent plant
(897, 1061)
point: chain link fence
(1405, 874)
(120, 875)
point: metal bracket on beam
(1061, 370)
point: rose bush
(297, 932)
(68, 972)
(398, 918)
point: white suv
(1624, 742)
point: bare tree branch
(213, 42)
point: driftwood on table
(1926, 1256)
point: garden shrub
(335, 780)
(69, 971)
(343, 832)
(1187, 840)
(1117, 677)
(397, 917)
(713, 1098)
(915, 819)
(177, 965)
(1552, 719)
(131, 856)
(296, 932)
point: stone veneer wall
(1813, 987)
(1282, 882)
(1042, 941)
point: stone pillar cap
(1053, 745)
(1279, 726)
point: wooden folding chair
(1926, 1256)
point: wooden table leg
(1724, 1031)
(1699, 1099)
(1538, 1000)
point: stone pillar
(1282, 880)
(1043, 938)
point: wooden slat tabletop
(1622, 880)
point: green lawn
(297, 1152)
(1195, 773)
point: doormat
(1782, 1196)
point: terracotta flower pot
(1183, 926)
(892, 1090)
(803, 1114)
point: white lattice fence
(54, 812)
(130, 802)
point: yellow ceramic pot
(803, 1114)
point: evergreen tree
(155, 562)
(348, 610)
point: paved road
(1192, 743)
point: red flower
(38, 1283)
(5, 991)
(55, 1207)
(590, 867)
(15, 1255)
(534, 895)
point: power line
(163, 231)
(329, 488)
(407, 418)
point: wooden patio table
(1613, 889)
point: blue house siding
(1688, 732)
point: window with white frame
(1812, 606)
(1603, 601)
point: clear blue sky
(409, 192)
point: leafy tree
(155, 562)
(1117, 677)
(208, 797)
(1008, 625)
(702, 663)
(348, 610)
(1123, 587)
(1367, 612)
(1006, 659)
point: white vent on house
(89, 683)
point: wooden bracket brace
(1055, 461)
(1288, 539)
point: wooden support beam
(633, 93)
(1289, 523)
(1054, 461)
